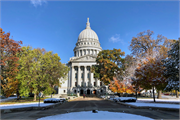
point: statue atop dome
(88, 24)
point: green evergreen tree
(171, 65)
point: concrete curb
(144, 107)
(72, 99)
(29, 108)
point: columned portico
(85, 53)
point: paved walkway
(88, 104)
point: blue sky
(55, 25)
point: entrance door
(88, 92)
(94, 91)
(81, 92)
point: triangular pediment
(84, 58)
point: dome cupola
(88, 33)
(88, 42)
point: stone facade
(80, 79)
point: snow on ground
(103, 115)
(6, 99)
(22, 105)
(54, 99)
(124, 98)
(176, 106)
(159, 100)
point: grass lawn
(23, 100)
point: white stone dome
(88, 34)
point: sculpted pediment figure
(85, 58)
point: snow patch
(22, 105)
(103, 115)
(155, 105)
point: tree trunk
(177, 95)
(153, 95)
(136, 95)
(159, 94)
(51, 92)
(18, 95)
(39, 98)
(34, 97)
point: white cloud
(116, 38)
(37, 2)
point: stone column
(82, 52)
(92, 78)
(98, 82)
(72, 76)
(69, 79)
(76, 53)
(85, 75)
(79, 76)
(85, 52)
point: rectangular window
(82, 84)
(76, 84)
(100, 83)
(82, 75)
(82, 68)
(76, 75)
(64, 91)
(88, 75)
(88, 68)
(76, 68)
(94, 83)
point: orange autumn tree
(9, 67)
(120, 87)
